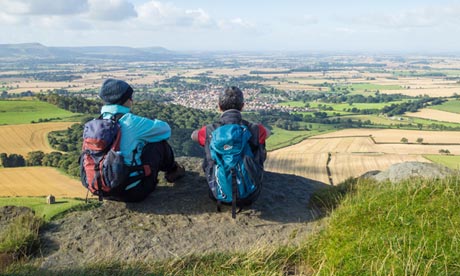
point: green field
(40, 207)
(361, 87)
(451, 161)
(429, 122)
(377, 120)
(24, 112)
(282, 138)
(449, 106)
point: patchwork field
(395, 135)
(22, 139)
(38, 181)
(354, 152)
(437, 115)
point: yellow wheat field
(353, 152)
(395, 135)
(437, 115)
(22, 139)
(38, 181)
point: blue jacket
(136, 132)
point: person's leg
(139, 192)
(157, 157)
(160, 157)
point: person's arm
(264, 133)
(199, 136)
(146, 129)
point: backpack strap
(97, 179)
(234, 193)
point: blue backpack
(235, 177)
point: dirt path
(179, 220)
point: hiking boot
(175, 174)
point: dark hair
(231, 98)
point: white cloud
(111, 10)
(155, 13)
(199, 17)
(44, 7)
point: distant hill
(37, 51)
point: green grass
(341, 106)
(451, 161)
(415, 120)
(20, 238)
(449, 106)
(361, 87)
(377, 120)
(282, 138)
(406, 228)
(44, 210)
(24, 112)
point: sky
(237, 25)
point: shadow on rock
(283, 198)
(180, 219)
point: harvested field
(301, 163)
(38, 181)
(344, 165)
(354, 152)
(22, 139)
(437, 115)
(395, 135)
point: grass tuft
(20, 238)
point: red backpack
(102, 167)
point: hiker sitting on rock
(237, 140)
(143, 141)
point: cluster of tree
(345, 97)
(67, 162)
(48, 76)
(320, 67)
(6, 95)
(411, 106)
(12, 160)
(444, 151)
(41, 120)
(414, 73)
(76, 104)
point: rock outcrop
(405, 170)
(180, 219)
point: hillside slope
(179, 220)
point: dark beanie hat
(115, 91)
